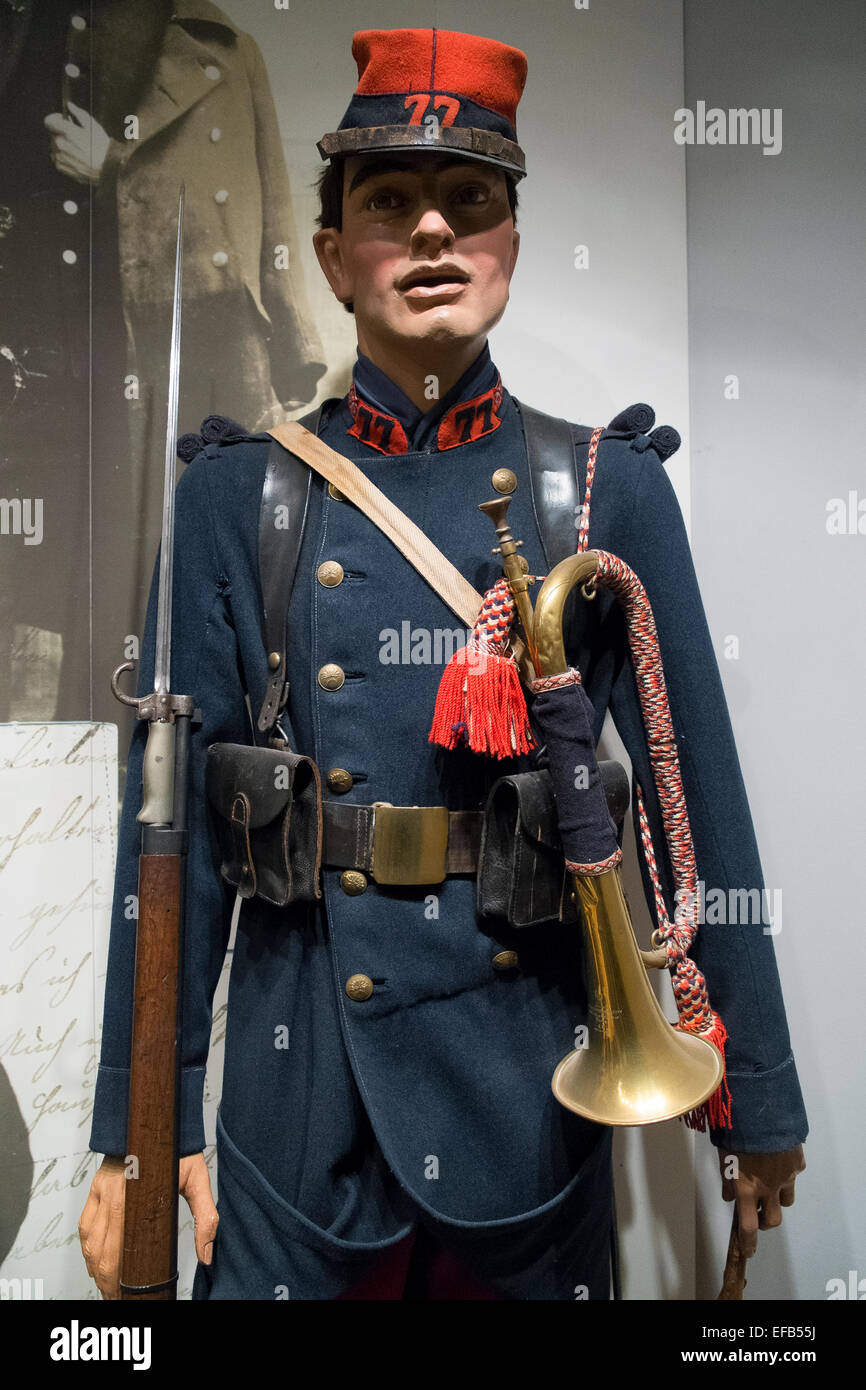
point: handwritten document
(58, 830)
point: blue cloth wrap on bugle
(564, 720)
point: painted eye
(473, 193)
(383, 200)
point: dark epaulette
(215, 429)
(634, 423)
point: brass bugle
(634, 1067)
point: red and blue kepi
(437, 90)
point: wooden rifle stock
(149, 1264)
(150, 1222)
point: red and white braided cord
(689, 985)
(583, 529)
(493, 625)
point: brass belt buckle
(409, 843)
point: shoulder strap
(287, 485)
(442, 576)
(554, 478)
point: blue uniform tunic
(431, 1099)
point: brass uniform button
(330, 573)
(274, 661)
(506, 960)
(359, 987)
(339, 780)
(504, 480)
(331, 676)
(335, 492)
(353, 882)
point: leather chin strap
(488, 146)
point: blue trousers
(267, 1250)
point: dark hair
(329, 187)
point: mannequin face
(426, 251)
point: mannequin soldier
(412, 1099)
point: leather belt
(400, 844)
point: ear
(329, 252)
(515, 247)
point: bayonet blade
(162, 664)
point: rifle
(149, 1261)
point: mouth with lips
(424, 282)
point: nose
(432, 231)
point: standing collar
(385, 418)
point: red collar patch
(462, 424)
(374, 427)
(471, 419)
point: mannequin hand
(100, 1229)
(765, 1184)
(760, 1185)
(194, 1185)
(79, 145)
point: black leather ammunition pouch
(268, 821)
(521, 865)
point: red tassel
(716, 1109)
(481, 702)
(480, 699)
